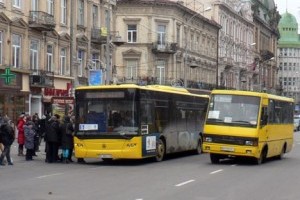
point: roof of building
(288, 28)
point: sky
(292, 6)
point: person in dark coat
(67, 131)
(52, 139)
(8, 137)
(29, 132)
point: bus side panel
(109, 148)
(277, 135)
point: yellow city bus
(248, 124)
(129, 121)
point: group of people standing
(30, 132)
(59, 135)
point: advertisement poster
(95, 77)
(62, 106)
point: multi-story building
(167, 43)
(266, 35)
(49, 46)
(247, 41)
(289, 57)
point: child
(29, 138)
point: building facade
(289, 57)
(167, 43)
(247, 41)
(49, 46)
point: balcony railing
(96, 36)
(40, 78)
(168, 48)
(41, 21)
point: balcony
(43, 79)
(167, 48)
(97, 37)
(41, 21)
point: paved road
(180, 177)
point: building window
(63, 19)
(16, 51)
(95, 61)
(161, 35)
(160, 72)
(34, 55)
(178, 35)
(63, 61)
(34, 5)
(132, 33)
(80, 12)
(131, 69)
(17, 3)
(50, 7)
(49, 58)
(1, 46)
(95, 16)
(81, 62)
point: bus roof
(158, 88)
(251, 93)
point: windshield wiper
(215, 120)
(241, 121)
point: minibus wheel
(214, 158)
(282, 152)
(199, 147)
(160, 150)
(262, 157)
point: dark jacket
(52, 131)
(67, 134)
(7, 134)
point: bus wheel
(214, 158)
(199, 147)
(282, 153)
(160, 150)
(262, 157)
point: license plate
(230, 149)
(105, 156)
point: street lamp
(186, 44)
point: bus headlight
(207, 139)
(251, 142)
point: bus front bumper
(231, 150)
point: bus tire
(214, 158)
(281, 155)
(160, 150)
(199, 147)
(262, 157)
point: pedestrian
(52, 139)
(67, 130)
(35, 120)
(21, 136)
(42, 128)
(8, 136)
(29, 138)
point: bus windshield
(106, 113)
(233, 110)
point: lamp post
(186, 45)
